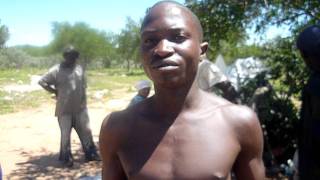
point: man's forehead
(169, 9)
(174, 16)
(172, 13)
(175, 10)
(172, 24)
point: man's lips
(164, 64)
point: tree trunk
(128, 65)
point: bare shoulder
(113, 133)
(118, 124)
(115, 124)
(243, 126)
(238, 116)
(243, 119)
(241, 115)
(114, 130)
(246, 126)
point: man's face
(312, 62)
(144, 92)
(70, 58)
(170, 46)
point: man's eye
(179, 38)
(148, 42)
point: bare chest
(182, 151)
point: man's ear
(204, 48)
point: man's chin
(172, 83)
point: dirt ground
(30, 140)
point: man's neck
(66, 65)
(172, 101)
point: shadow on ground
(49, 167)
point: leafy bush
(278, 117)
(18, 58)
(279, 114)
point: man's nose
(164, 48)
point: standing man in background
(308, 43)
(67, 81)
(0, 172)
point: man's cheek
(146, 70)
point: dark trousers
(80, 122)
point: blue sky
(29, 21)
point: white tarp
(243, 69)
(221, 64)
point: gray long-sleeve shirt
(70, 83)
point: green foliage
(4, 35)
(15, 57)
(97, 49)
(35, 51)
(224, 24)
(91, 43)
(287, 69)
(223, 21)
(294, 13)
(231, 53)
(277, 114)
(128, 42)
(279, 117)
(280, 124)
(288, 74)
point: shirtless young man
(181, 132)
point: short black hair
(308, 42)
(146, 18)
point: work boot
(66, 159)
(68, 162)
(93, 157)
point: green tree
(231, 52)
(287, 69)
(14, 58)
(128, 42)
(109, 52)
(224, 21)
(91, 43)
(36, 51)
(293, 13)
(4, 35)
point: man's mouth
(165, 65)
